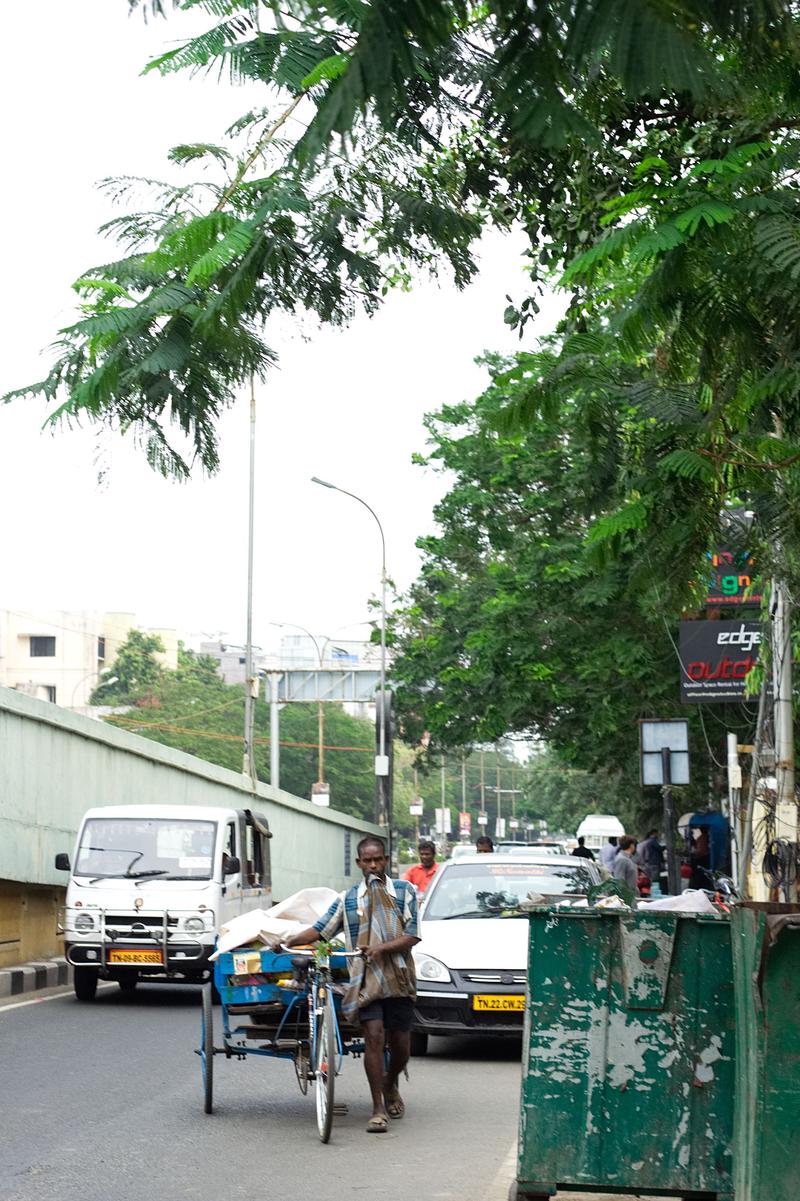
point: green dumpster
(766, 965)
(628, 1055)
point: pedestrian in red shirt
(421, 874)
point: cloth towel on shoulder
(390, 975)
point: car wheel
(419, 1043)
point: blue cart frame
(302, 1024)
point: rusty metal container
(628, 1057)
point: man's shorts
(396, 1013)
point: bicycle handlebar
(311, 954)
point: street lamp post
(383, 816)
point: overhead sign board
(443, 821)
(715, 659)
(656, 737)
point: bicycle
(296, 1018)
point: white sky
(346, 405)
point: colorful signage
(715, 659)
(731, 579)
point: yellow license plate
(135, 957)
(501, 1001)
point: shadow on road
(494, 1050)
(150, 996)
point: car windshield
(137, 848)
(496, 889)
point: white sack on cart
(693, 900)
(296, 913)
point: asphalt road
(103, 1101)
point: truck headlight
(429, 968)
(84, 921)
(194, 924)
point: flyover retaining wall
(55, 764)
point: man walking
(379, 918)
(624, 867)
(421, 874)
(582, 851)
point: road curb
(30, 977)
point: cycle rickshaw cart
(281, 1005)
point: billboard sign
(731, 580)
(465, 822)
(715, 659)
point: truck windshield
(133, 847)
(496, 889)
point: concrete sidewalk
(29, 977)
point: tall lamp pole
(251, 680)
(383, 816)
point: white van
(150, 886)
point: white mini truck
(150, 886)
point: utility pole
(483, 787)
(416, 794)
(497, 781)
(274, 730)
(251, 680)
(733, 805)
(673, 874)
(786, 807)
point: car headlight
(194, 924)
(84, 921)
(431, 969)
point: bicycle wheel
(324, 1062)
(207, 1047)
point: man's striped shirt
(346, 911)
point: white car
(471, 961)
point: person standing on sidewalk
(582, 851)
(652, 856)
(608, 853)
(421, 874)
(624, 867)
(379, 918)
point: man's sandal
(378, 1124)
(395, 1106)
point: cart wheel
(301, 1067)
(325, 1067)
(207, 1048)
(419, 1043)
(84, 983)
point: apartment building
(59, 655)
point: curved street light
(381, 761)
(102, 684)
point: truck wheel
(84, 983)
(419, 1043)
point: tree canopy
(520, 620)
(418, 122)
(134, 673)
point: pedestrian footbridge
(55, 764)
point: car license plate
(487, 1001)
(135, 957)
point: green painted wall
(55, 764)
